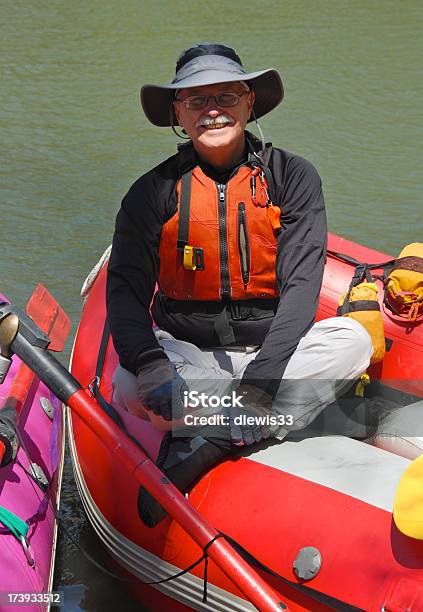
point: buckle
(235, 310)
(193, 258)
(359, 274)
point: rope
(204, 557)
(355, 262)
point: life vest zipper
(225, 288)
(243, 244)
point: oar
(51, 319)
(30, 345)
(408, 503)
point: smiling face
(217, 132)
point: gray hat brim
(156, 100)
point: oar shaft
(46, 367)
(67, 388)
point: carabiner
(27, 551)
(94, 384)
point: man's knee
(348, 337)
(335, 348)
(125, 392)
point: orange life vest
(229, 249)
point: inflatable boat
(312, 516)
(31, 464)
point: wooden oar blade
(50, 317)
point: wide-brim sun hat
(208, 64)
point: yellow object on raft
(363, 306)
(404, 285)
(189, 258)
(408, 503)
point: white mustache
(210, 121)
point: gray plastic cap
(307, 563)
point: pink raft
(29, 494)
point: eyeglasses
(224, 99)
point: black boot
(350, 416)
(183, 461)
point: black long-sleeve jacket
(301, 251)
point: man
(234, 232)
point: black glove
(161, 389)
(251, 423)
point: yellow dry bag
(404, 284)
(361, 303)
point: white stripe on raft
(345, 465)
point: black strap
(223, 329)
(358, 305)
(187, 157)
(204, 557)
(184, 207)
(270, 184)
(94, 387)
(268, 173)
(102, 350)
(354, 262)
(253, 144)
(361, 272)
(267, 153)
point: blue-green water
(73, 137)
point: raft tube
(29, 569)
(323, 504)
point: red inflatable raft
(323, 505)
